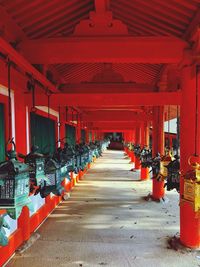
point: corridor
(106, 222)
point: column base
(189, 226)
(144, 175)
(132, 157)
(149, 197)
(158, 190)
(137, 164)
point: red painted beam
(100, 6)
(113, 88)
(114, 125)
(105, 100)
(112, 108)
(21, 62)
(194, 25)
(115, 130)
(12, 32)
(110, 130)
(99, 116)
(104, 49)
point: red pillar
(20, 122)
(158, 191)
(132, 157)
(138, 142)
(189, 219)
(129, 141)
(125, 137)
(133, 141)
(144, 175)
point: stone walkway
(106, 222)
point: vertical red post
(158, 191)
(189, 219)
(20, 122)
(144, 175)
(132, 140)
(128, 140)
(132, 157)
(125, 141)
(24, 223)
(138, 142)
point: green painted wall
(43, 133)
(70, 133)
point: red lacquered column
(144, 175)
(158, 191)
(189, 219)
(138, 142)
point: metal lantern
(58, 157)
(54, 179)
(69, 156)
(191, 192)
(84, 156)
(173, 174)
(78, 157)
(36, 162)
(14, 185)
(146, 158)
(156, 166)
(163, 165)
(137, 150)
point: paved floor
(107, 223)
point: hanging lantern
(192, 183)
(165, 161)
(54, 179)
(36, 163)
(14, 185)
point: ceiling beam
(111, 108)
(107, 100)
(114, 125)
(22, 63)
(102, 88)
(9, 29)
(120, 116)
(152, 50)
(110, 130)
(101, 6)
(194, 24)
